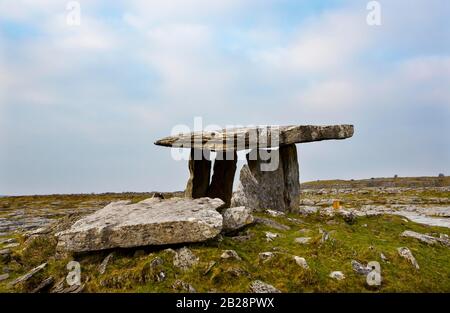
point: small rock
(308, 210)
(209, 267)
(274, 213)
(5, 252)
(59, 286)
(383, 257)
(406, 253)
(183, 286)
(12, 245)
(359, 268)
(230, 254)
(271, 236)
(329, 212)
(38, 231)
(444, 239)
(185, 259)
(295, 220)
(74, 289)
(307, 202)
(7, 241)
(104, 264)
(169, 250)
(258, 286)
(424, 238)
(28, 275)
(280, 249)
(44, 285)
(266, 256)
(235, 218)
(338, 275)
(236, 271)
(301, 262)
(156, 262)
(4, 277)
(348, 217)
(5, 255)
(325, 235)
(216, 240)
(271, 223)
(303, 240)
(161, 276)
(242, 238)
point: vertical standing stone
(200, 171)
(289, 161)
(278, 189)
(223, 177)
(259, 189)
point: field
(335, 241)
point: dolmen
(269, 180)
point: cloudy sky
(80, 106)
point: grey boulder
(150, 222)
(258, 286)
(263, 186)
(236, 218)
(185, 259)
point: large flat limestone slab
(150, 222)
(256, 137)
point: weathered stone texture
(149, 222)
(277, 189)
(253, 137)
(199, 174)
(223, 177)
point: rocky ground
(325, 246)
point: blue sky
(80, 106)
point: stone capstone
(246, 138)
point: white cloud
(156, 11)
(323, 44)
(115, 83)
(331, 95)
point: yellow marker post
(336, 204)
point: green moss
(362, 241)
